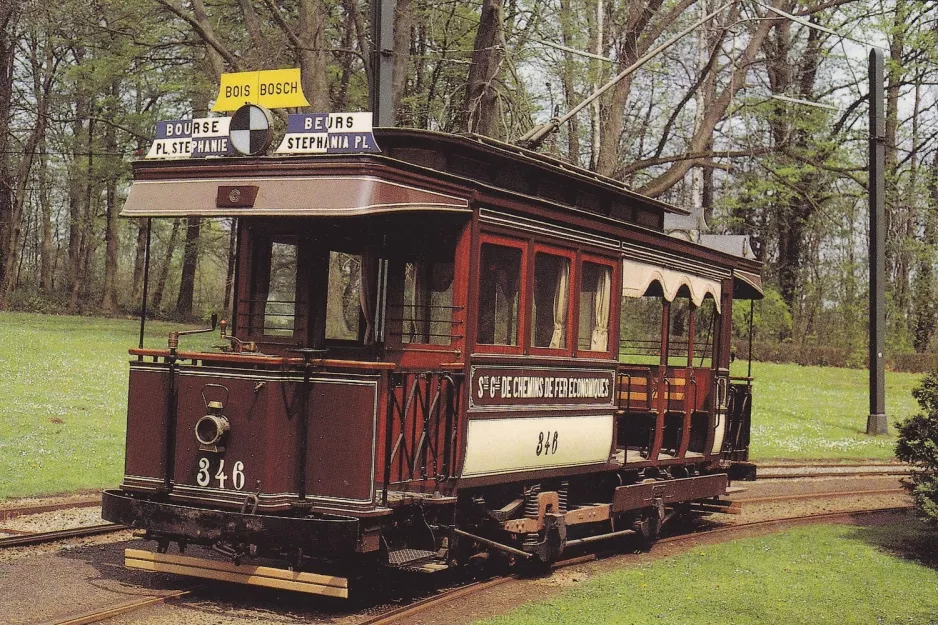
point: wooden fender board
(244, 574)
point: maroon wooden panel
(257, 439)
(342, 421)
(146, 422)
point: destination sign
(515, 386)
(328, 133)
(276, 88)
(191, 138)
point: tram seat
(632, 392)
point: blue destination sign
(191, 138)
(328, 133)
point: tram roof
(417, 171)
(362, 184)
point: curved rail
(37, 538)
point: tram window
(428, 303)
(272, 308)
(595, 292)
(500, 274)
(640, 330)
(551, 302)
(704, 331)
(679, 329)
(343, 301)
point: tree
(9, 18)
(918, 445)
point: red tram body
(455, 345)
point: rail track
(27, 539)
(399, 614)
(767, 472)
(13, 512)
(827, 495)
(771, 472)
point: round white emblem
(250, 130)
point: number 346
(546, 444)
(205, 477)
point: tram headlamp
(211, 429)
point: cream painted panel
(526, 443)
(719, 434)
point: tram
(449, 347)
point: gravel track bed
(55, 520)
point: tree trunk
(215, 59)
(46, 249)
(597, 45)
(925, 308)
(190, 260)
(403, 27)
(160, 288)
(253, 24)
(480, 109)
(894, 211)
(232, 257)
(311, 54)
(109, 301)
(80, 202)
(140, 252)
(568, 70)
(627, 35)
(9, 15)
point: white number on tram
(204, 477)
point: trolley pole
(876, 421)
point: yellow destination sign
(275, 88)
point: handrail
(628, 392)
(265, 359)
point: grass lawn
(64, 394)
(813, 575)
(820, 412)
(63, 400)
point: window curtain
(599, 340)
(366, 290)
(561, 296)
(506, 284)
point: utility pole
(382, 34)
(876, 421)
